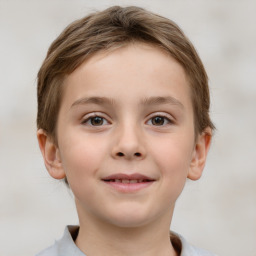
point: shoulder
(50, 251)
(190, 250)
(65, 246)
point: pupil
(97, 120)
(158, 120)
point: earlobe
(51, 155)
(201, 149)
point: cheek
(80, 166)
(173, 159)
(80, 158)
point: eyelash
(103, 121)
(89, 120)
(166, 120)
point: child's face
(126, 136)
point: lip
(128, 183)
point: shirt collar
(66, 245)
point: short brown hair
(112, 28)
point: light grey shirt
(67, 247)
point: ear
(51, 155)
(200, 152)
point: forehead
(141, 54)
(136, 68)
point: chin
(131, 219)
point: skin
(139, 99)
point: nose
(129, 144)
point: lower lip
(128, 187)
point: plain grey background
(219, 211)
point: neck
(151, 239)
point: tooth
(133, 181)
(125, 181)
(116, 180)
(140, 181)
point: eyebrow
(146, 101)
(162, 100)
(93, 100)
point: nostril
(121, 154)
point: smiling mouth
(128, 178)
(128, 183)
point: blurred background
(217, 212)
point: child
(123, 118)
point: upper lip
(122, 176)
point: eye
(159, 121)
(95, 121)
